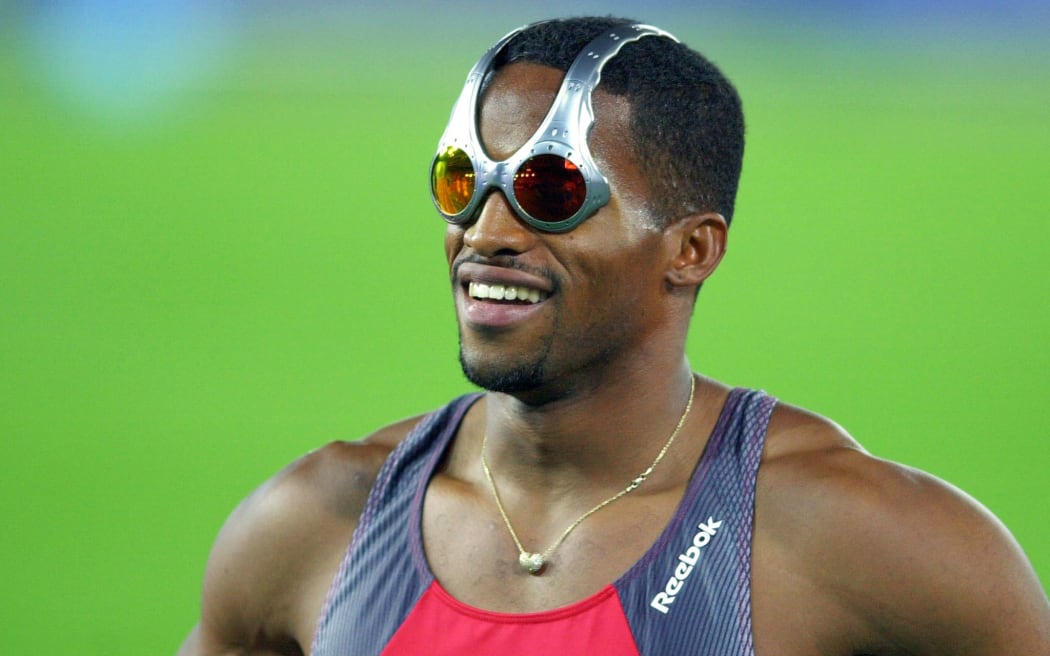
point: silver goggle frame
(563, 132)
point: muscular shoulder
(902, 556)
(271, 565)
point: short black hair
(687, 123)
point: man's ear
(698, 242)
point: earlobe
(699, 242)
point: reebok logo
(686, 561)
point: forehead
(519, 97)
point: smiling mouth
(505, 293)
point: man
(601, 497)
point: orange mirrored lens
(550, 188)
(452, 180)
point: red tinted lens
(550, 188)
(452, 180)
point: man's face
(599, 285)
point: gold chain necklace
(534, 563)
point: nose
(498, 230)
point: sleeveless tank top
(688, 594)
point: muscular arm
(274, 559)
(884, 559)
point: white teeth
(505, 292)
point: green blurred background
(217, 252)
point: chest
(672, 569)
(471, 551)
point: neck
(601, 435)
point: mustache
(506, 262)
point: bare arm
(885, 559)
(272, 563)
(948, 577)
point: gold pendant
(531, 562)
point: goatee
(500, 377)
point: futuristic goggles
(551, 182)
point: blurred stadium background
(217, 252)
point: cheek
(453, 242)
(618, 283)
(631, 281)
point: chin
(498, 376)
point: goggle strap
(582, 79)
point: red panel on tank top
(439, 625)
